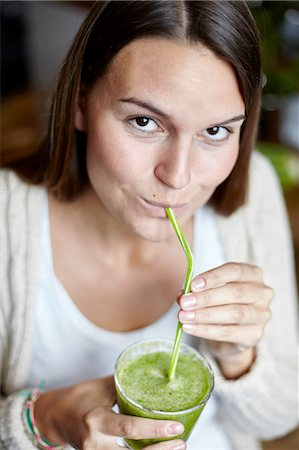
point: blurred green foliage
(280, 66)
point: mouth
(157, 209)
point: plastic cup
(127, 405)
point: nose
(174, 165)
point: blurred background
(35, 36)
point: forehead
(175, 74)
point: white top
(69, 348)
(259, 405)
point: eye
(216, 134)
(144, 124)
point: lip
(157, 209)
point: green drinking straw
(186, 248)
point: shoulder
(10, 182)
(263, 180)
(20, 211)
(265, 207)
(262, 218)
(260, 163)
(13, 189)
(264, 189)
(20, 222)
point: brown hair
(226, 27)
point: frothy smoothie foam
(144, 389)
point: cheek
(219, 165)
(110, 158)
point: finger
(247, 335)
(170, 445)
(226, 273)
(111, 423)
(181, 292)
(235, 292)
(234, 314)
(99, 441)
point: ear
(80, 114)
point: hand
(82, 417)
(229, 306)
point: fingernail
(198, 284)
(188, 327)
(188, 301)
(174, 429)
(179, 447)
(187, 316)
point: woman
(156, 105)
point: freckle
(154, 195)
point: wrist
(59, 421)
(46, 413)
(235, 365)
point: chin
(154, 232)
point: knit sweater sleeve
(12, 432)
(19, 209)
(263, 403)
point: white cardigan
(260, 405)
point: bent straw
(186, 248)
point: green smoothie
(143, 387)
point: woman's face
(163, 127)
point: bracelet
(33, 432)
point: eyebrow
(146, 105)
(233, 119)
(155, 110)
